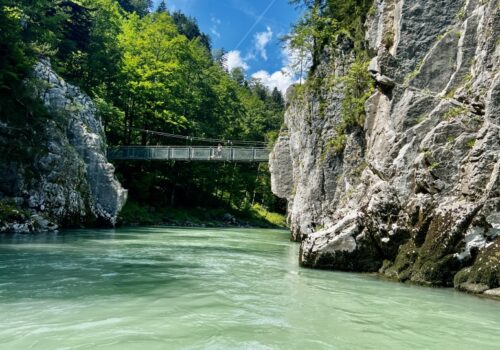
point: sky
(250, 31)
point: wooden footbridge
(191, 153)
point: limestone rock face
(415, 194)
(70, 181)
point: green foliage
(357, 88)
(162, 7)
(388, 39)
(141, 7)
(471, 143)
(135, 213)
(412, 75)
(238, 75)
(337, 144)
(28, 29)
(143, 70)
(462, 13)
(274, 219)
(158, 65)
(329, 23)
(9, 212)
(111, 116)
(454, 113)
(421, 118)
(189, 27)
(338, 25)
(433, 166)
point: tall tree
(189, 27)
(220, 57)
(28, 30)
(162, 7)
(238, 75)
(141, 7)
(277, 99)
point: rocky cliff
(63, 177)
(415, 193)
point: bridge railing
(190, 153)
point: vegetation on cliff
(334, 31)
(330, 24)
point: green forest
(147, 69)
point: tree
(28, 30)
(168, 76)
(142, 70)
(162, 7)
(141, 7)
(189, 27)
(277, 99)
(328, 22)
(238, 75)
(74, 44)
(220, 58)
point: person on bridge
(219, 151)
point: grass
(454, 113)
(471, 143)
(412, 75)
(275, 219)
(388, 39)
(136, 214)
(433, 166)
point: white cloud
(295, 64)
(281, 79)
(261, 41)
(214, 29)
(289, 74)
(234, 60)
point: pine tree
(277, 98)
(220, 57)
(162, 7)
(141, 7)
(188, 26)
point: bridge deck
(190, 153)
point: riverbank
(135, 214)
(494, 294)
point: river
(166, 288)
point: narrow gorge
(250, 174)
(412, 190)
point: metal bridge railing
(190, 153)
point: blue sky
(249, 30)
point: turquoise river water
(165, 288)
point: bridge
(191, 153)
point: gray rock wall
(68, 181)
(415, 195)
